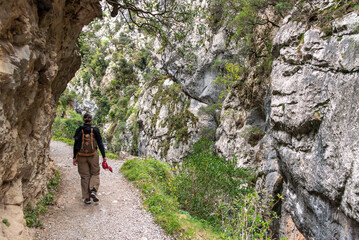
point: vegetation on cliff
(32, 211)
(207, 187)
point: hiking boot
(87, 201)
(93, 195)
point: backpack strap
(83, 139)
(92, 138)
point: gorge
(291, 112)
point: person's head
(87, 118)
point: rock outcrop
(168, 122)
(314, 118)
(191, 61)
(38, 56)
(309, 117)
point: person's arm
(99, 142)
(76, 144)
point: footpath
(118, 215)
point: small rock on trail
(118, 215)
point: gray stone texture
(38, 56)
(314, 121)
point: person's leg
(94, 172)
(84, 171)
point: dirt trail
(119, 214)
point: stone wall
(38, 56)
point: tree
(163, 18)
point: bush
(65, 128)
(207, 133)
(32, 212)
(206, 178)
(214, 189)
(154, 179)
(6, 222)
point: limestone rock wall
(38, 56)
(309, 115)
(190, 61)
(164, 122)
(314, 118)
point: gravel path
(119, 214)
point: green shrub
(6, 222)
(111, 155)
(32, 212)
(207, 133)
(206, 178)
(65, 128)
(207, 189)
(214, 189)
(130, 90)
(154, 179)
(142, 58)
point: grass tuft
(32, 212)
(153, 178)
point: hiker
(87, 138)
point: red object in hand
(106, 166)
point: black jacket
(87, 130)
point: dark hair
(87, 117)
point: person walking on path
(87, 138)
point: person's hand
(75, 162)
(105, 166)
(104, 159)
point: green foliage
(253, 135)
(111, 155)
(124, 73)
(205, 178)
(64, 140)
(246, 220)
(324, 19)
(65, 128)
(207, 133)
(31, 212)
(66, 98)
(214, 189)
(233, 74)
(207, 191)
(98, 65)
(103, 109)
(6, 222)
(152, 177)
(212, 110)
(142, 58)
(246, 15)
(124, 39)
(130, 90)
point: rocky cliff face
(309, 116)
(38, 56)
(190, 61)
(168, 121)
(314, 119)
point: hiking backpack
(89, 144)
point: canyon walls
(38, 56)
